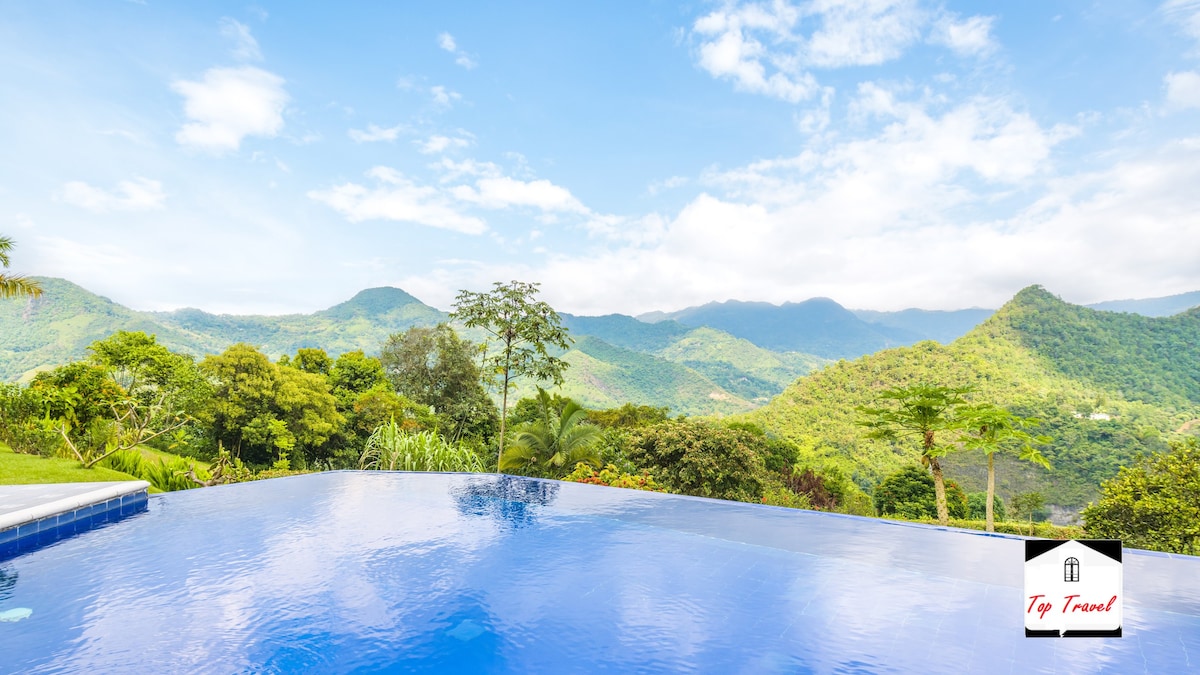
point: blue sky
(630, 156)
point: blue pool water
(393, 572)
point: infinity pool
(349, 572)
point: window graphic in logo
(1071, 570)
(1073, 588)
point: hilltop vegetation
(1106, 386)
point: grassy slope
(819, 412)
(18, 469)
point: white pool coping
(24, 504)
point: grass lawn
(17, 469)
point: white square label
(1073, 588)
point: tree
(521, 329)
(11, 285)
(1154, 504)
(921, 410)
(554, 443)
(701, 459)
(311, 360)
(151, 392)
(1028, 504)
(990, 428)
(263, 411)
(434, 367)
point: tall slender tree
(11, 285)
(990, 428)
(521, 331)
(921, 410)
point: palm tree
(554, 443)
(922, 410)
(991, 426)
(12, 286)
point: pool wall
(46, 520)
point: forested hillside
(620, 359)
(1107, 386)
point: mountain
(606, 376)
(689, 370)
(943, 326)
(818, 326)
(1106, 387)
(1167, 306)
(362, 322)
(59, 326)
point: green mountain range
(616, 359)
(1106, 386)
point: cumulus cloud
(966, 37)
(396, 197)
(375, 133)
(437, 144)
(901, 217)
(503, 192)
(228, 104)
(139, 194)
(444, 97)
(446, 42)
(772, 48)
(245, 47)
(1183, 90)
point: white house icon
(1063, 601)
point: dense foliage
(909, 493)
(1154, 504)
(701, 459)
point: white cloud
(668, 184)
(245, 47)
(1186, 13)
(503, 192)
(446, 42)
(139, 194)
(1183, 89)
(771, 48)
(969, 37)
(375, 133)
(451, 170)
(228, 104)
(443, 96)
(437, 144)
(397, 198)
(862, 32)
(730, 50)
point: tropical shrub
(781, 496)
(909, 493)
(613, 477)
(701, 459)
(390, 448)
(556, 440)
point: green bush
(700, 459)
(1154, 504)
(977, 507)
